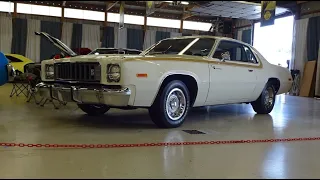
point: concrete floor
(28, 123)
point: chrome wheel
(175, 104)
(269, 97)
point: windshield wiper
(156, 53)
(163, 52)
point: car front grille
(77, 71)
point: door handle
(214, 67)
(250, 70)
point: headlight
(49, 70)
(113, 73)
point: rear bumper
(110, 97)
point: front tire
(94, 110)
(265, 103)
(18, 73)
(171, 105)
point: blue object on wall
(3, 69)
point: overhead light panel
(184, 2)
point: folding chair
(20, 86)
(33, 80)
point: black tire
(260, 106)
(158, 111)
(94, 110)
(18, 73)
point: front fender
(148, 87)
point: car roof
(208, 36)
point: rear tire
(94, 110)
(265, 103)
(171, 105)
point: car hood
(56, 42)
(123, 57)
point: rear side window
(13, 59)
(251, 58)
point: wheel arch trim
(168, 74)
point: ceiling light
(246, 2)
(184, 2)
(169, 1)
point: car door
(232, 75)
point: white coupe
(168, 78)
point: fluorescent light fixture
(169, 1)
(246, 2)
(184, 2)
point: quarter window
(250, 56)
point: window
(84, 14)
(161, 22)
(201, 48)
(170, 46)
(232, 51)
(128, 19)
(192, 25)
(251, 58)
(6, 6)
(13, 59)
(38, 10)
(133, 19)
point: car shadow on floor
(133, 119)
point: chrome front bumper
(110, 97)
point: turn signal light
(142, 75)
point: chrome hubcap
(175, 104)
(268, 100)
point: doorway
(274, 42)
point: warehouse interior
(47, 138)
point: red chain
(156, 144)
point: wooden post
(181, 26)
(181, 20)
(62, 19)
(15, 10)
(106, 15)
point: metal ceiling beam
(162, 5)
(187, 14)
(111, 5)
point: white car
(168, 78)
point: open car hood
(56, 42)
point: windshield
(113, 51)
(106, 51)
(170, 46)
